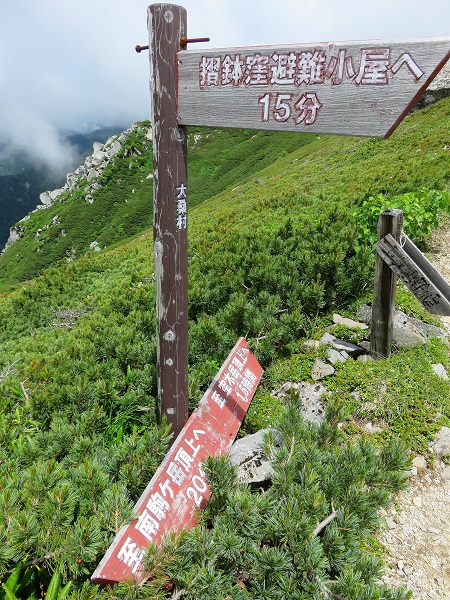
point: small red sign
(178, 488)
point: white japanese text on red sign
(150, 522)
(236, 379)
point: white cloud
(31, 135)
(67, 63)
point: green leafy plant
(420, 212)
(353, 335)
(267, 260)
(308, 536)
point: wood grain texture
(417, 273)
(382, 327)
(167, 24)
(349, 88)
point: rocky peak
(89, 172)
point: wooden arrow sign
(178, 489)
(349, 88)
(417, 273)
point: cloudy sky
(71, 64)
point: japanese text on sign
(179, 487)
(181, 206)
(376, 67)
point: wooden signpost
(417, 273)
(178, 488)
(351, 88)
(398, 256)
(167, 25)
(385, 283)
(354, 88)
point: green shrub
(420, 213)
(353, 335)
(264, 411)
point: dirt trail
(418, 538)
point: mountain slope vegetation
(23, 178)
(271, 255)
(122, 204)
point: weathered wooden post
(389, 222)
(167, 25)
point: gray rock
(310, 396)
(364, 313)
(441, 443)
(321, 370)
(93, 173)
(114, 149)
(326, 339)
(334, 356)
(98, 158)
(15, 233)
(356, 396)
(247, 455)
(45, 198)
(420, 463)
(343, 346)
(426, 329)
(339, 320)
(406, 334)
(55, 194)
(365, 345)
(391, 523)
(408, 331)
(440, 370)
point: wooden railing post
(390, 221)
(167, 24)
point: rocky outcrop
(247, 454)
(408, 331)
(89, 172)
(438, 89)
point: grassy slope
(266, 259)
(123, 206)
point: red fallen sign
(178, 488)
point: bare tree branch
(4, 374)
(325, 522)
(327, 590)
(25, 393)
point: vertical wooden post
(167, 23)
(390, 221)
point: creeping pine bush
(307, 537)
(420, 214)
